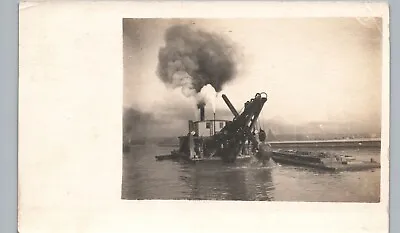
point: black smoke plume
(193, 58)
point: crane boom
(234, 135)
(230, 106)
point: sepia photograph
(132, 113)
(252, 109)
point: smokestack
(201, 112)
(214, 124)
(191, 126)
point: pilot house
(206, 128)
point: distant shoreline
(369, 142)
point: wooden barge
(322, 160)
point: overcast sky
(312, 69)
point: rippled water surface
(146, 178)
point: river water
(145, 178)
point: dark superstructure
(225, 140)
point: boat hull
(178, 156)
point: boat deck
(329, 166)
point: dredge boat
(322, 160)
(225, 140)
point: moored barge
(322, 160)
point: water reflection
(216, 181)
(265, 186)
(146, 178)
